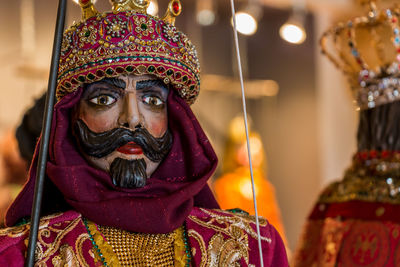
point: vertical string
(247, 130)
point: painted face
(123, 121)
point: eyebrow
(115, 82)
(140, 85)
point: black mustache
(101, 144)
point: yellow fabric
(110, 257)
(123, 248)
(180, 248)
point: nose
(130, 115)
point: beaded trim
(377, 163)
(379, 89)
(113, 44)
(373, 177)
(91, 237)
(187, 247)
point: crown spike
(331, 56)
(173, 10)
(88, 9)
(141, 5)
(128, 5)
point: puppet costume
(210, 238)
(356, 220)
(172, 220)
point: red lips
(130, 148)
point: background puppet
(128, 161)
(356, 220)
(233, 188)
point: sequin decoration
(116, 27)
(144, 25)
(170, 33)
(374, 176)
(139, 249)
(87, 35)
(123, 43)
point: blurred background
(302, 117)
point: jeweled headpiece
(367, 50)
(128, 41)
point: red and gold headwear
(128, 41)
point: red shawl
(179, 183)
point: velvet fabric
(221, 238)
(350, 234)
(178, 184)
(217, 238)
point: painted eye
(153, 101)
(103, 100)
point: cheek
(158, 125)
(99, 121)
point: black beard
(124, 173)
(128, 173)
(99, 145)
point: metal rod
(44, 143)
(247, 130)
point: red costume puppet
(128, 161)
(356, 221)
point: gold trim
(363, 187)
(105, 248)
(180, 257)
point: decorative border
(124, 43)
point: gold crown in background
(173, 10)
(367, 50)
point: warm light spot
(246, 188)
(292, 33)
(246, 24)
(152, 9)
(205, 17)
(256, 152)
(237, 129)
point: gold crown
(367, 50)
(174, 8)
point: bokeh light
(205, 17)
(246, 24)
(292, 33)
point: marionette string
(239, 63)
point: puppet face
(121, 126)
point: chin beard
(128, 173)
